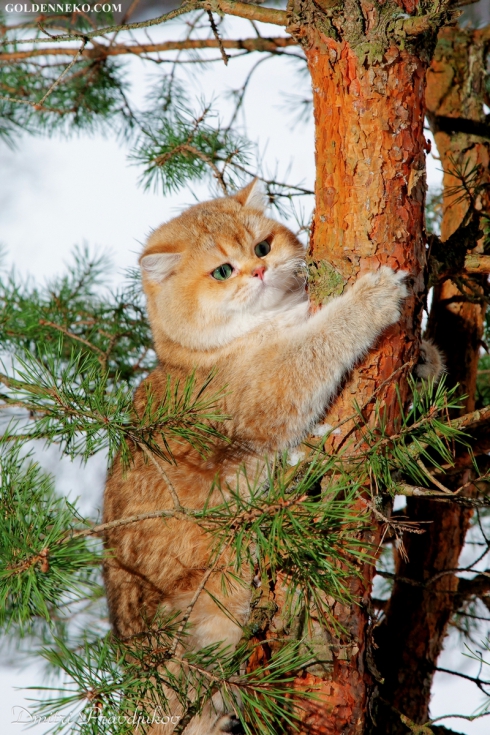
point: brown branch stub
(472, 420)
(247, 10)
(479, 586)
(452, 125)
(413, 491)
(218, 39)
(476, 263)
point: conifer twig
(102, 527)
(40, 104)
(171, 488)
(214, 28)
(433, 479)
(195, 597)
(63, 74)
(71, 335)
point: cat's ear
(253, 196)
(158, 266)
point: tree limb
(228, 7)
(248, 10)
(451, 125)
(472, 420)
(476, 263)
(120, 49)
(479, 586)
(414, 491)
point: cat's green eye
(262, 249)
(223, 272)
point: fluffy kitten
(224, 290)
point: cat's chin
(289, 312)
(287, 315)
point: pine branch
(161, 471)
(87, 35)
(37, 572)
(473, 420)
(82, 414)
(62, 75)
(101, 528)
(476, 680)
(199, 589)
(102, 356)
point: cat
(225, 290)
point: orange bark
(370, 191)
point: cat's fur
(281, 367)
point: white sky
(56, 193)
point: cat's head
(220, 270)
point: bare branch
(229, 7)
(217, 37)
(102, 50)
(414, 491)
(249, 11)
(63, 74)
(479, 586)
(171, 488)
(195, 598)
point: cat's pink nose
(259, 272)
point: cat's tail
(431, 362)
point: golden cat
(225, 290)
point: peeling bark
(370, 190)
(368, 79)
(370, 193)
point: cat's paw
(324, 429)
(230, 724)
(295, 456)
(380, 294)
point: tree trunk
(416, 619)
(369, 109)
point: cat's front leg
(351, 323)
(280, 390)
